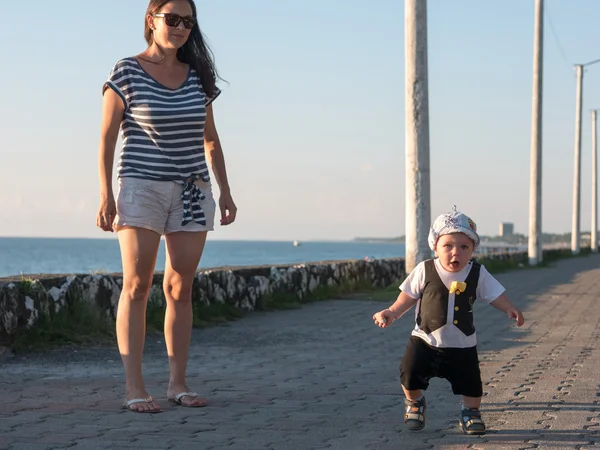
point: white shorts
(157, 206)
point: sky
(311, 117)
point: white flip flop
(178, 397)
(127, 405)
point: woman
(161, 101)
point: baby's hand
(514, 313)
(384, 319)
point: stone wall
(25, 301)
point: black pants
(460, 366)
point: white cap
(454, 222)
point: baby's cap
(453, 222)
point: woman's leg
(139, 248)
(184, 250)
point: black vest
(433, 311)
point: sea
(29, 256)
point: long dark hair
(194, 52)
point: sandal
(178, 397)
(414, 418)
(471, 422)
(148, 400)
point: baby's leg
(462, 370)
(416, 368)
(415, 372)
(415, 394)
(471, 402)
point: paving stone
(291, 380)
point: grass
(155, 311)
(387, 294)
(495, 266)
(551, 256)
(79, 323)
(28, 286)
(207, 315)
(83, 323)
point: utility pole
(535, 179)
(418, 212)
(594, 231)
(576, 228)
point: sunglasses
(173, 20)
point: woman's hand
(228, 209)
(106, 213)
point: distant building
(507, 229)
(586, 238)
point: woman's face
(169, 24)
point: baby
(443, 343)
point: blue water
(65, 256)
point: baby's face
(454, 251)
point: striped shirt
(162, 130)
